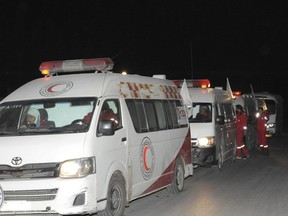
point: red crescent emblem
(145, 159)
(50, 88)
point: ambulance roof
(79, 85)
(76, 78)
(209, 95)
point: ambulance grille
(31, 195)
(45, 170)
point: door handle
(123, 139)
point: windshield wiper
(35, 130)
(8, 133)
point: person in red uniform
(241, 118)
(87, 118)
(262, 118)
(106, 114)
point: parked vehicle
(81, 163)
(214, 139)
(273, 103)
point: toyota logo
(16, 160)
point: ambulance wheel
(220, 160)
(116, 197)
(178, 178)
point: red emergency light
(200, 83)
(236, 93)
(96, 64)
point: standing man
(262, 118)
(241, 118)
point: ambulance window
(160, 115)
(219, 110)
(271, 106)
(202, 113)
(111, 111)
(153, 115)
(150, 113)
(62, 115)
(133, 113)
(229, 112)
(172, 117)
(9, 117)
(168, 114)
(250, 108)
(173, 108)
(138, 115)
(113, 105)
(141, 116)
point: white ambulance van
(249, 104)
(214, 139)
(273, 104)
(59, 155)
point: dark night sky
(245, 41)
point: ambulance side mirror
(106, 128)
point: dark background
(245, 41)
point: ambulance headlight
(205, 142)
(77, 168)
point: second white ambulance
(274, 105)
(214, 138)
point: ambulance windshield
(68, 115)
(202, 112)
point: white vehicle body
(213, 140)
(249, 104)
(79, 167)
(273, 103)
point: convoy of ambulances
(70, 160)
(249, 104)
(214, 139)
(273, 104)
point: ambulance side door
(111, 143)
(219, 131)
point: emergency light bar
(96, 64)
(202, 83)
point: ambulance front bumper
(203, 156)
(48, 197)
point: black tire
(116, 197)
(177, 184)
